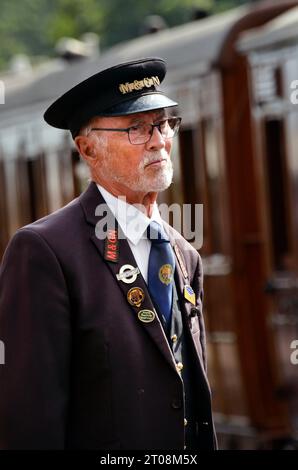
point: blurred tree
(33, 26)
(124, 20)
(21, 28)
(74, 17)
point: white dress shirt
(134, 224)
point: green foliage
(73, 18)
(21, 27)
(123, 20)
(34, 26)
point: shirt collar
(133, 222)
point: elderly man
(102, 323)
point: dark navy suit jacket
(81, 370)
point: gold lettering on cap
(124, 88)
(156, 81)
(139, 84)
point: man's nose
(157, 141)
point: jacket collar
(90, 200)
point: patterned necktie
(161, 271)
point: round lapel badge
(165, 274)
(146, 316)
(128, 274)
(135, 296)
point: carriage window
(23, 202)
(188, 167)
(275, 161)
(66, 178)
(80, 173)
(31, 189)
(214, 184)
(3, 213)
(38, 187)
(190, 184)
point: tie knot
(156, 233)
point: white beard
(152, 179)
(144, 179)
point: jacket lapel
(90, 200)
(181, 280)
(181, 277)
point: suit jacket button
(194, 312)
(176, 404)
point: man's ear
(86, 149)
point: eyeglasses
(141, 134)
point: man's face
(141, 168)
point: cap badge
(137, 85)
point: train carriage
(216, 164)
(272, 54)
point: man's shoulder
(70, 217)
(64, 230)
(57, 222)
(56, 231)
(177, 238)
(54, 236)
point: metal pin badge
(165, 274)
(128, 273)
(189, 294)
(135, 296)
(146, 316)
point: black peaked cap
(127, 88)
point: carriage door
(282, 286)
(204, 182)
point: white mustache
(153, 157)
